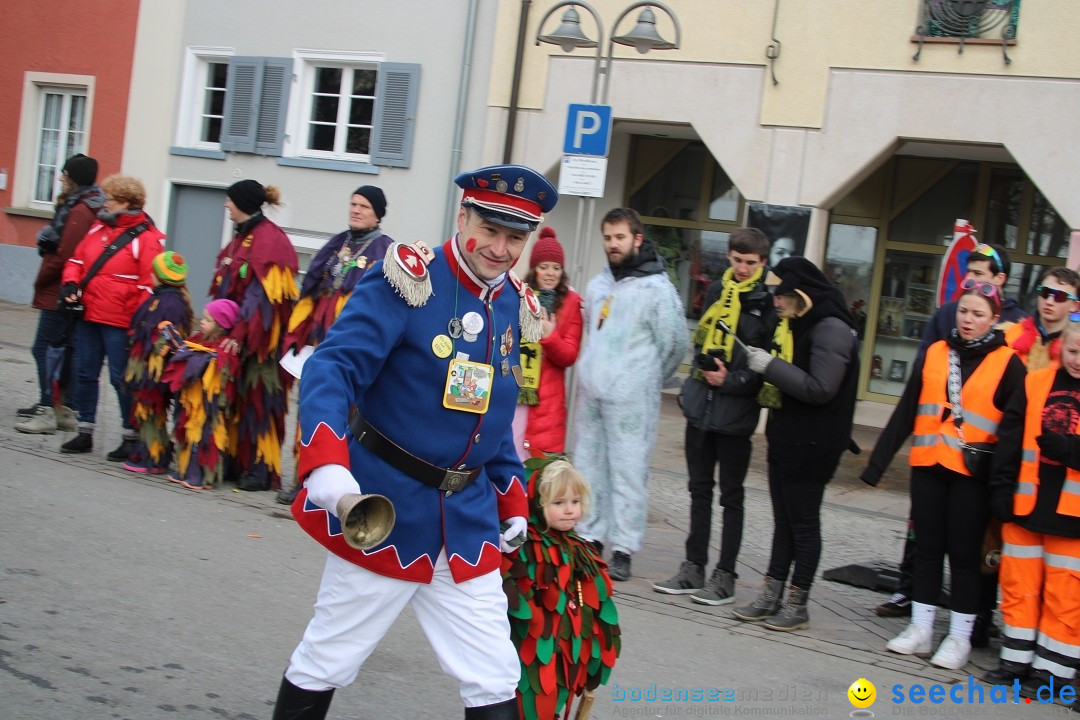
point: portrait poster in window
(786, 226)
(898, 370)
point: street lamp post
(569, 36)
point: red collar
(465, 275)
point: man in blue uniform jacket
(411, 396)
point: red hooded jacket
(545, 430)
(114, 294)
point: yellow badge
(530, 365)
(468, 386)
(442, 346)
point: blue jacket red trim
(378, 356)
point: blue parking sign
(588, 130)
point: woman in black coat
(811, 378)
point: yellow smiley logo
(862, 693)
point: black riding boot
(506, 710)
(295, 703)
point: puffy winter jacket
(545, 430)
(732, 408)
(114, 294)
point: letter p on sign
(588, 130)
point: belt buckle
(454, 481)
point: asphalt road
(127, 597)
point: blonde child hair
(559, 479)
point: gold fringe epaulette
(405, 268)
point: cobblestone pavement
(860, 524)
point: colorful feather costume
(329, 282)
(257, 270)
(563, 619)
(203, 375)
(157, 328)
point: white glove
(329, 483)
(515, 528)
(757, 359)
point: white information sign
(583, 175)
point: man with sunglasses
(987, 263)
(1037, 339)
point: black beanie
(247, 195)
(81, 169)
(374, 196)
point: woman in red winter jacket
(540, 422)
(110, 299)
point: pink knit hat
(547, 249)
(224, 312)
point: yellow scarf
(783, 347)
(728, 306)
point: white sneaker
(953, 653)
(42, 423)
(914, 640)
(66, 419)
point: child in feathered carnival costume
(157, 329)
(204, 373)
(257, 270)
(562, 616)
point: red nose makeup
(470, 244)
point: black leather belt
(449, 481)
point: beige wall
(815, 36)
(849, 95)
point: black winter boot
(81, 443)
(124, 450)
(765, 605)
(793, 615)
(506, 710)
(1006, 672)
(295, 703)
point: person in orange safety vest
(1036, 493)
(1037, 338)
(956, 397)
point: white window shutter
(273, 106)
(396, 98)
(241, 104)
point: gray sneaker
(719, 590)
(690, 577)
(42, 423)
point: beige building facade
(830, 113)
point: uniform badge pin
(505, 367)
(454, 327)
(472, 322)
(468, 337)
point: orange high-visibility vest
(936, 441)
(1037, 386)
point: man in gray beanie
(332, 275)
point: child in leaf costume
(562, 616)
(204, 373)
(158, 327)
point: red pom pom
(547, 231)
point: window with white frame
(213, 102)
(206, 74)
(340, 110)
(61, 134)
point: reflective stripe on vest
(936, 442)
(1037, 385)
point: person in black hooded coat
(811, 377)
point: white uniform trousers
(466, 624)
